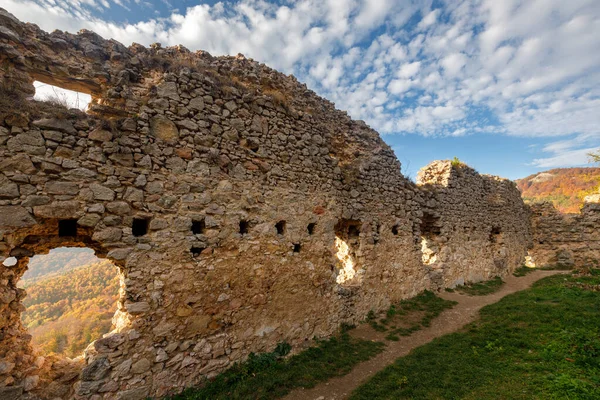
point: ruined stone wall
(566, 240)
(474, 226)
(241, 209)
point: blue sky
(511, 87)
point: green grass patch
(541, 343)
(522, 271)
(481, 288)
(270, 376)
(419, 311)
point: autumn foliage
(564, 187)
(67, 312)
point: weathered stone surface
(565, 240)
(59, 210)
(15, 217)
(57, 187)
(55, 124)
(133, 394)
(137, 308)
(141, 366)
(196, 104)
(8, 189)
(20, 162)
(108, 235)
(168, 90)
(164, 129)
(118, 207)
(102, 192)
(101, 135)
(31, 143)
(11, 392)
(96, 370)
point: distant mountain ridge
(57, 262)
(563, 187)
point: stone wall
(473, 227)
(566, 240)
(241, 209)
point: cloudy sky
(511, 87)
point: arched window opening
(71, 299)
(61, 97)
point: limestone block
(59, 210)
(164, 129)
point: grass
(481, 288)
(270, 376)
(541, 343)
(522, 271)
(419, 311)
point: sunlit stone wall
(241, 209)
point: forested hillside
(65, 313)
(57, 262)
(564, 187)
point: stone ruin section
(241, 210)
(566, 240)
(473, 226)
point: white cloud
(408, 70)
(453, 63)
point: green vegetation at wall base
(541, 343)
(269, 376)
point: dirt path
(466, 311)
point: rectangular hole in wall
(197, 250)
(430, 225)
(280, 227)
(347, 241)
(139, 227)
(495, 234)
(67, 227)
(311, 228)
(297, 247)
(61, 97)
(244, 226)
(198, 227)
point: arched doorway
(51, 371)
(71, 299)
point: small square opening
(395, 230)
(353, 230)
(67, 227)
(196, 251)
(280, 226)
(311, 228)
(139, 227)
(297, 247)
(198, 227)
(244, 225)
